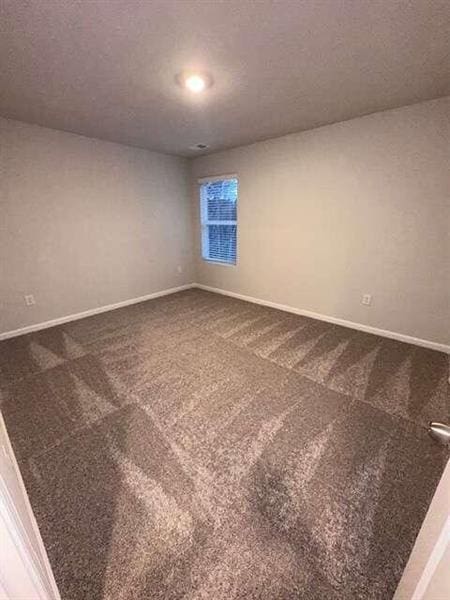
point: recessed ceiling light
(194, 82)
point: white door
(25, 572)
(427, 573)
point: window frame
(205, 222)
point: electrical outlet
(29, 300)
(180, 269)
(366, 299)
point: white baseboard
(307, 313)
(297, 311)
(89, 313)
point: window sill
(216, 262)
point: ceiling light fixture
(194, 82)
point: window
(218, 204)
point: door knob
(440, 432)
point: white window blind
(218, 204)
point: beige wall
(324, 216)
(357, 207)
(86, 223)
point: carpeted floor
(200, 447)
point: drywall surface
(359, 207)
(86, 223)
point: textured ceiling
(106, 69)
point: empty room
(224, 299)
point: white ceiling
(106, 68)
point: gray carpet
(201, 447)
